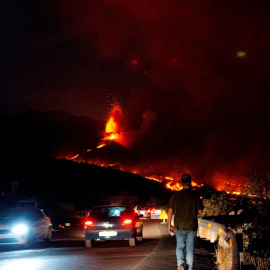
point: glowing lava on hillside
(114, 135)
(131, 151)
(117, 149)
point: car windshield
(109, 211)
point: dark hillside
(30, 143)
(82, 183)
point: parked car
(110, 222)
(24, 226)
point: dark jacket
(185, 204)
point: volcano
(142, 152)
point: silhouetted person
(186, 206)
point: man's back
(186, 205)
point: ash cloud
(209, 107)
(190, 103)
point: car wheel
(88, 243)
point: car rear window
(111, 211)
(142, 208)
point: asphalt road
(67, 252)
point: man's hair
(186, 180)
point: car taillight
(127, 221)
(89, 223)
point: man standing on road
(186, 206)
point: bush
(261, 263)
(217, 204)
(223, 258)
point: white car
(142, 211)
(24, 226)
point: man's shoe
(180, 267)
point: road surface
(67, 252)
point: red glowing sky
(192, 80)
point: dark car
(24, 226)
(110, 222)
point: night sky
(191, 77)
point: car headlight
(20, 229)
